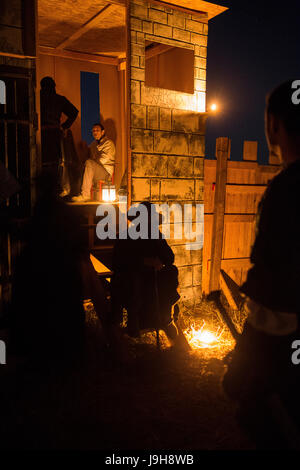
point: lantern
(108, 193)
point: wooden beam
(17, 56)
(231, 291)
(101, 59)
(107, 10)
(155, 50)
(222, 154)
(196, 7)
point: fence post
(222, 154)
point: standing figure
(52, 108)
(261, 376)
(100, 164)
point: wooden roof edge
(194, 6)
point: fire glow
(202, 337)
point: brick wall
(167, 129)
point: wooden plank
(100, 59)
(230, 218)
(227, 292)
(91, 23)
(222, 154)
(99, 267)
(245, 188)
(17, 56)
(250, 150)
(194, 6)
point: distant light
(214, 107)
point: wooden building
(149, 61)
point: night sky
(252, 47)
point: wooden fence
(232, 191)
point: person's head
(98, 131)
(48, 85)
(282, 122)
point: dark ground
(162, 400)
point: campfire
(202, 337)
(208, 336)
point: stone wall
(168, 127)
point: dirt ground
(161, 400)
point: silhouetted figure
(53, 106)
(100, 164)
(53, 276)
(261, 375)
(145, 282)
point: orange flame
(202, 338)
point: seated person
(100, 165)
(145, 282)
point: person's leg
(93, 172)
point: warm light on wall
(213, 107)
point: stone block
(152, 117)
(135, 61)
(135, 96)
(136, 24)
(159, 16)
(142, 140)
(205, 28)
(133, 37)
(199, 190)
(180, 167)
(140, 188)
(182, 14)
(196, 145)
(197, 256)
(148, 27)
(200, 85)
(194, 26)
(171, 144)
(137, 74)
(182, 255)
(197, 274)
(162, 30)
(137, 49)
(186, 121)
(200, 62)
(165, 123)
(142, 62)
(155, 189)
(149, 165)
(139, 11)
(140, 38)
(181, 35)
(185, 276)
(199, 39)
(177, 21)
(199, 167)
(138, 116)
(200, 74)
(177, 189)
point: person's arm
(107, 155)
(70, 111)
